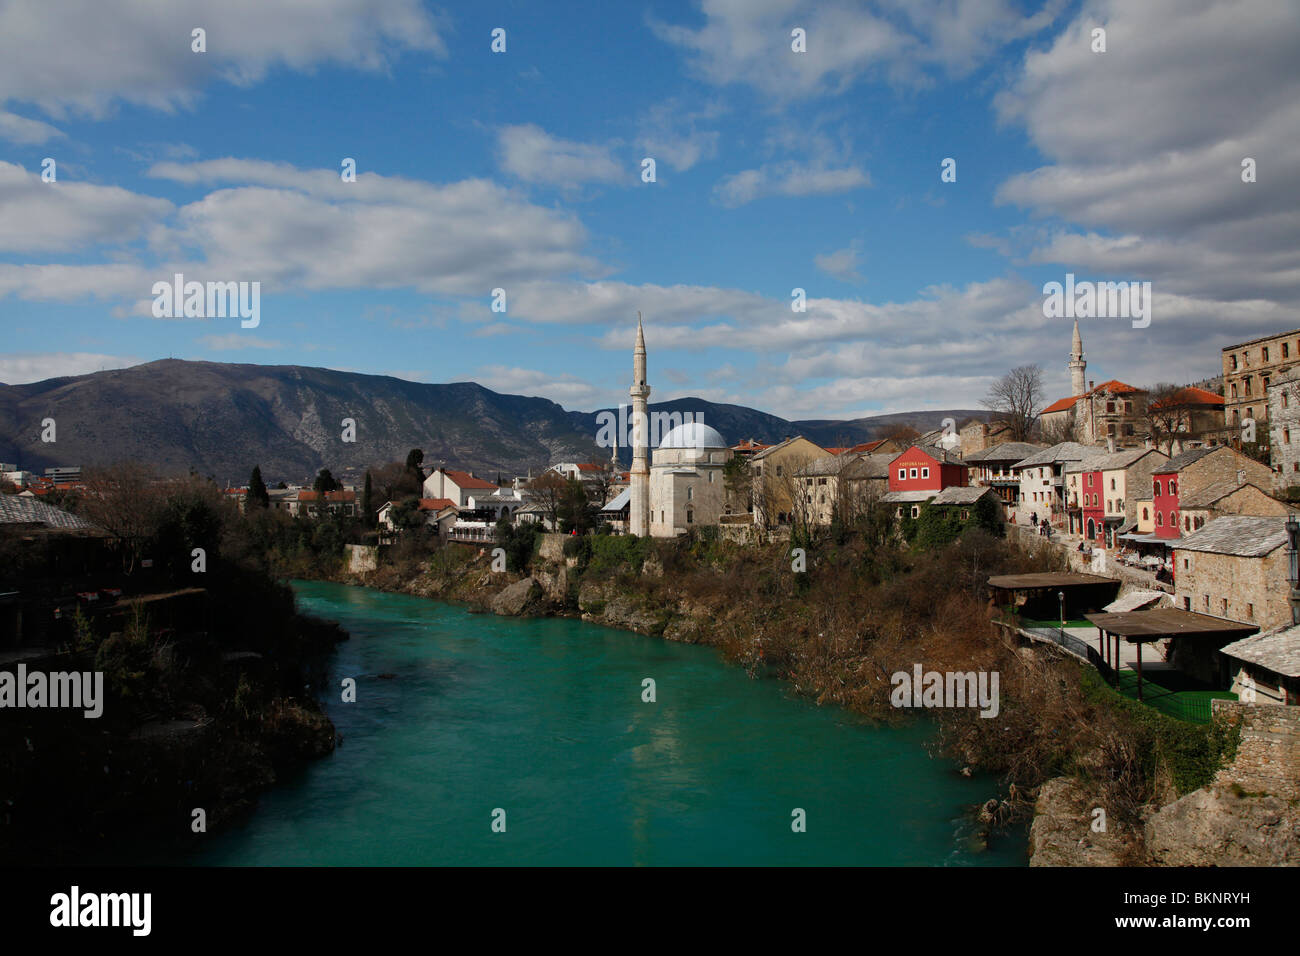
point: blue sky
(774, 170)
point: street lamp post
(1060, 597)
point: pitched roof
(961, 495)
(436, 504)
(1115, 387)
(1062, 451)
(1277, 650)
(1179, 462)
(869, 466)
(938, 453)
(1190, 395)
(330, 496)
(619, 501)
(1136, 600)
(1243, 536)
(1060, 405)
(16, 509)
(1110, 461)
(905, 497)
(771, 449)
(1212, 493)
(465, 481)
(1007, 451)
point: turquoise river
(544, 719)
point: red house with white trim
(926, 468)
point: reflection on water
(544, 719)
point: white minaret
(640, 476)
(1077, 364)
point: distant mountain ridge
(222, 418)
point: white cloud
(1146, 143)
(531, 154)
(671, 133)
(564, 389)
(82, 55)
(843, 263)
(749, 42)
(36, 216)
(788, 178)
(293, 229)
(20, 368)
(25, 132)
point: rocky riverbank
(190, 734)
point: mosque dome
(693, 435)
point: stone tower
(639, 517)
(1077, 364)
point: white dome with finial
(693, 435)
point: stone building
(686, 480)
(1249, 368)
(1268, 670)
(1093, 413)
(1284, 427)
(1191, 473)
(1226, 498)
(1042, 478)
(774, 472)
(977, 436)
(850, 483)
(1235, 568)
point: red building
(1164, 502)
(1091, 506)
(926, 468)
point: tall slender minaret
(1077, 364)
(640, 476)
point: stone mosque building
(682, 487)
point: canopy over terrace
(1082, 592)
(1157, 624)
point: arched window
(1146, 515)
(1160, 520)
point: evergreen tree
(257, 496)
(414, 461)
(325, 482)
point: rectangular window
(1224, 602)
(902, 474)
(913, 472)
(925, 472)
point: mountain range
(220, 419)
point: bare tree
(1168, 416)
(1018, 398)
(548, 491)
(1057, 431)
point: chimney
(1090, 385)
(1146, 443)
(1110, 445)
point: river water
(544, 719)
